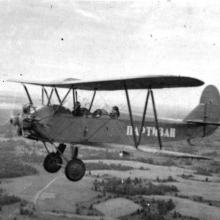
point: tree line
(130, 187)
(11, 167)
(6, 199)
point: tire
(75, 170)
(52, 162)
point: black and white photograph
(109, 110)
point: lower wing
(130, 150)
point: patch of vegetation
(93, 154)
(169, 179)
(145, 160)
(164, 207)
(103, 166)
(168, 163)
(152, 209)
(214, 167)
(187, 149)
(187, 162)
(27, 209)
(177, 215)
(6, 199)
(131, 187)
(203, 171)
(210, 154)
(184, 176)
(11, 167)
(32, 157)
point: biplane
(58, 126)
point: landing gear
(75, 169)
(52, 162)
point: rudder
(208, 109)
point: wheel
(52, 162)
(75, 169)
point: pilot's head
(115, 108)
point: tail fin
(208, 110)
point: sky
(47, 40)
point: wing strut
(42, 92)
(29, 97)
(149, 93)
(131, 116)
(62, 100)
(46, 93)
(49, 99)
(92, 100)
(57, 94)
(74, 101)
(143, 118)
(205, 119)
(156, 119)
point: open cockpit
(49, 108)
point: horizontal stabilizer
(198, 122)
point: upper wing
(142, 82)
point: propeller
(21, 121)
(17, 121)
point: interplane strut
(74, 101)
(28, 95)
(93, 97)
(49, 99)
(149, 93)
(58, 97)
(62, 101)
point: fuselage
(64, 127)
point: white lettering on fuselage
(152, 131)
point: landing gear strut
(53, 161)
(75, 168)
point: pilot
(115, 112)
(77, 109)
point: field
(117, 207)
(54, 194)
(191, 208)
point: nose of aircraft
(16, 120)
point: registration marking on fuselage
(152, 131)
